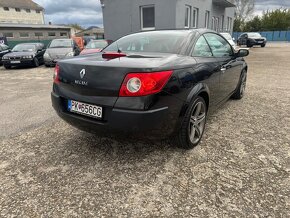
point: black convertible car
(152, 84)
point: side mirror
(242, 52)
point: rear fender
(195, 91)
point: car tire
(240, 91)
(249, 45)
(263, 45)
(36, 62)
(47, 65)
(7, 67)
(193, 125)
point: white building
(21, 12)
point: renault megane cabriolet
(152, 84)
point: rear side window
(219, 46)
(201, 48)
(160, 42)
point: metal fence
(271, 35)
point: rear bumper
(120, 122)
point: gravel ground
(241, 168)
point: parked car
(251, 39)
(24, 54)
(59, 49)
(151, 84)
(230, 39)
(95, 46)
(4, 49)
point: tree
(244, 9)
(278, 19)
(238, 25)
(76, 26)
(254, 25)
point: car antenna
(119, 51)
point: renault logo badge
(83, 73)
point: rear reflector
(56, 74)
(142, 84)
(113, 55)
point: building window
(38, 11)
(195, 17)
(17, 9)
(217, 20)
(222, 23)
(206, 19)
(8, 35)
(6, 9)
(24, 35)
(51, 34)
(215, 23)
(28, 10)
(63, 34)
(187, 16)
(229, 25)
(148, 17)
(38, 34)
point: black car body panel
(19, 58)
(156, 115)
(4, 49)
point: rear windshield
(96, 44)
(160, 42)
(24, 47)
(60, 43)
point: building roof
(32, 26)
(93, 27)
(23, 4)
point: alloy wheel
(197, 122)
(243, 84)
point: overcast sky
(84, 12)
(89, 13)
(263, 5)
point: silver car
(229, 38)
(60, 49)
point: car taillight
(141, 84)
(113, 55)
(56, 74)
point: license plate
(260, 42)
(85, 109)
(15, 62)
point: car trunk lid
(94, 75)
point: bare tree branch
(245, 9)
